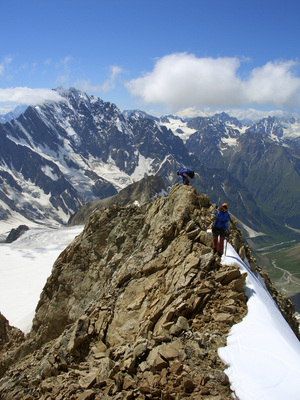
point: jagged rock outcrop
(10, 338)
(14, 234)
(136, 307)
(139, 193)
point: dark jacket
(222, 220)
(186, 174)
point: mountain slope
(59, 156)
(272, 175)
(12, 114)
(136, 305)
(139, 193)
(264, 158)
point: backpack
(191, 174)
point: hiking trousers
(218, 232)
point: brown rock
(238, 284)
(221, 377)
(169, 351)
(128, 382)
(136, 307)
(79, 334)
(106, 365)
(159, 363)
(176, 367)
(88, 381)
(206, 238)
(86, 395)
(188, 384)
(223, 317)
(227, 276)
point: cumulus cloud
(108, 85)
(183, 80)
(274, 83)
(28, 96)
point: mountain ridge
(61, 155)
(138, 193)
(136, 305)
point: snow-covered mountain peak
(228, 120)
(137, 114)
(77, 150)
(12, 114)
(227, 129)
(278, 129)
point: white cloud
(274, 83)
(28, 96)
(108, 85)
(183, 80)
(5, 109)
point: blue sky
(160, 55)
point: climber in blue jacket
(220, 228)
(187, 175)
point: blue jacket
(183, 171)
(185, 174)
(222, 220)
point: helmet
(225, 205)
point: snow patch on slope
(143, 168)
(291, 130)
(229, 141)
(179, 128)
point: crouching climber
(220, 229)
(187, 175)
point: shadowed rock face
(10, 339)
(141, 192)
(136, 307)
(14, 234)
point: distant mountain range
(263, 158)
(56, 157)
(247, 116)
(12, 114)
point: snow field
(24, 269)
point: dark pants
(218, 232)
(186, 179)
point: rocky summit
(136, 307)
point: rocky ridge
(136, 307)
(141, 192)
(14, 234)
